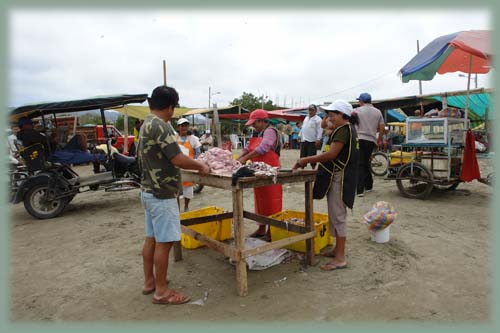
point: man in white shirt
(311, 134)
(13, 145)
(371, 122)
(206, 141)
(190, 145)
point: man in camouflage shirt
(160, 158)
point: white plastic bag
(380, 216)
(266, 259)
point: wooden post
(309, 223)
(125, 135)
(444, 101)
(239, 124)
(177, 251)
(239, 240)
(486, 120)
(217, 127)
(75, 122)
(164, 73)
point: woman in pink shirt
(264, 148)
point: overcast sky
(301, 56)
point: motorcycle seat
(120, 158)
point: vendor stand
(238, 252)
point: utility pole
(164, 72)
(208, 113)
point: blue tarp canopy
(395, 115)
(478, 103)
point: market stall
(237, 251)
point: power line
(358, 85)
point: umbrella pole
(467, 95)
(420, 87)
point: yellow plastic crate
(321, 225)
(215, 230)
(402, 158)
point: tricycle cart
(431, 156)
(47, 188)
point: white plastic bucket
(381, 236)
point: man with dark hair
(370, 123)
(311, 134)
(160, 158)
(28, 135)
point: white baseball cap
(182, 121)
(340, 106)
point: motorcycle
(47, 188)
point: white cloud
(311, 55)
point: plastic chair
(33, 156)
(235, 141)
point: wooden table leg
(239, 240)
(309, 223)
(177, 251)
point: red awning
(280, 114)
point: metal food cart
(436, 147)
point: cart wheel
(448, 187)
(414, 181)
(379, 163)
(44, 208)
(197, 188)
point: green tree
(89, 119)
(120, 122)
(251, 102)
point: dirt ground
(86, 264)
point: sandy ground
(86, 265)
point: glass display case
(435, 131)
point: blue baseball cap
(365, 98)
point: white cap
(182, 121)
(339, 105)
(208, 132)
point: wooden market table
(238, 252)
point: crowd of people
(344, 138)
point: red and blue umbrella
(464, 51)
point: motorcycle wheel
(44, 208)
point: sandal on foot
(328, 254)
(173, 298)
(331, 266)
(257, 235)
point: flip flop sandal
(257, 236)
(331, 267)
(328, 254)
(170, 299)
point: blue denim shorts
(162, 218)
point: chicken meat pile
(221, 162)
